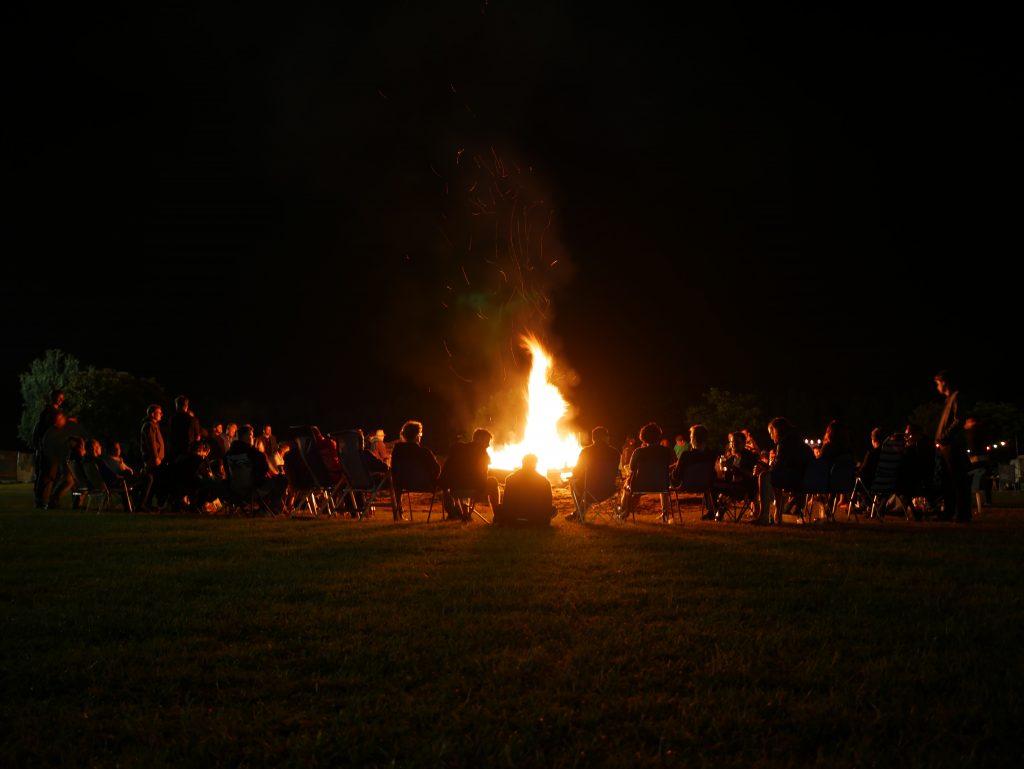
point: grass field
(149, 640)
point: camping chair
(243, 494)
(86, 490)
(698, 482)
(660, 486)
(841, 482)
(732, 499)
(883, 491)
(96, 481)
(315, 487)
(466, 501)
(401, 489)
(359, 481)
(591, 496)
(816, 490)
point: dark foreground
(177, 641)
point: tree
(108, 404)
(722, 412)
(112, 404)
(54, 371)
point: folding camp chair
(466, 501)
(359, 482)
(86, 490)
(883, 491)
(401, 491)
(591, 492)
(314, 487)
(815, 488)
(99, 485)
(590, 500)
(244, 496)
(698, 482)
(841, 482)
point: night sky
(348, 217)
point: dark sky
(349, 216)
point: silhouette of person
(527, 498)
(951, 443)
(593, 478)
(465, 470)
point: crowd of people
(188, 467)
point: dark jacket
(414, 466)
(151, 442)
(527, 498)
(465, 467)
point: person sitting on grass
(527, 498)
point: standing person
(527, 497)
(47, 418)
(413, 466)
(52, 478)
(951, 443)
(151, 441)
(183, 430)
(465, 471)
(593, 478)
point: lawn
(157, 640)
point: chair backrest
(94, 477)
(78, 475)
(350, 449)
(816, 476)
(307, 449)
(887, 472)
(240, 473)
(843, 475)
(698, 478)
(602, 474)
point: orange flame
(545, 409)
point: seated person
(867, 467)
(593, 478)
(698, 455)
(739, 464)
(190, 480)
(836, 442)
(362, 470)
(115, 483)
(527, 498)
(413, 466)
(649, 468)
(786, 472)
(272, 486)
(327, 448)
(115, 462)
(915, 478)
(464, 473)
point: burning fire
(545, 408)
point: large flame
(545, 409)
